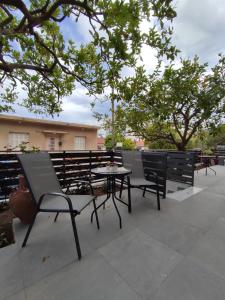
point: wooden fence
(180, 167)
(73, 165)
(69, 166)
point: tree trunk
(181, 146)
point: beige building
(46, 134)
(101, 143)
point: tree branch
(176, 126)
(7, 20)
(42, 9)
(34, 18)
(195, 127)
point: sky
(198, 29)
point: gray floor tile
(18, 296)
(137, 262)
(182, 195)
(91, 278)
(109, 227)
(50, 250)
(141, 261)
(172, 232)
(172, 186)
(210, 180)
(209, 251)
(191, 281)
(218, 228)
(218, 188)
(11, 279)
(201, 210)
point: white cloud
(72, 107)
(83, 27)
(149, 59)
(198, 28)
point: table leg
(113, 186)
(111, 191)
(108, 192)
(208, 167)
(212, 170)
(103, 203)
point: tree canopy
(36, 56)
(127, 143)
(217, 137)
(175, 104)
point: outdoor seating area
(112, 150)
(172, 253)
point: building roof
(44, 122)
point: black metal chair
(138, 179)
(47, 193)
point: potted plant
(20, 200)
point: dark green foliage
(35, 56)
(175, 105)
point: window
(80, 143)
(15, 139)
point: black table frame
(111, 192)
(207, 163)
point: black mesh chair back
(133, 161)
(44, 185)
(39, 173)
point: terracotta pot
(21, 203)
(6, 228)
(22, 183)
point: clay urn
(21, 202)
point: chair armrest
(58, 195)
(153, 174)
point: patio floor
(175, 254)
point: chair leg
(28, 231)
(108, 189)
(158, 198)
(144, 192)
(56, 217)
(75, 235)
(96, 214)
(129, 196)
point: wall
(39, 139)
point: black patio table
(206, 159)
(111, 173)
